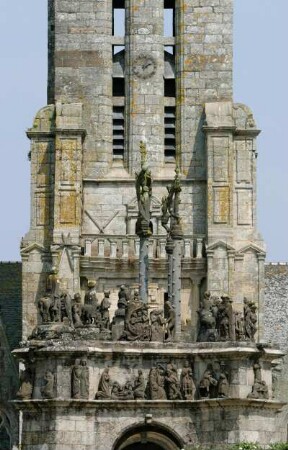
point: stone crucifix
(143, 226)
(171, 221)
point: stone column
(125, 249)
(195, 308)
(113, 249)
(76, 252)
(88, 248)
(169, 250)
(187, 248)
(143, 269)
(101, 248)
(176, 285)
(199, 250)
(162, 243)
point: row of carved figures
(133, 321)
(163, 383)
(57, 306)
(219, 322)
(131, 314)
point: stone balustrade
(125, 247)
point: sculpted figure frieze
(219, 322)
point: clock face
(144, 66)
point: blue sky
(260, 81)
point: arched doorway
(148, 446)
(152, 436)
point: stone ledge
(33, 134)
(235, 350)
(155, 404)
(131, 180)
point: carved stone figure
(47, 390)
(188, 388)
(128, 391)
(137, 327)
(207, 318)
(250, 320)
(139, 386)
(144, 193)
(157, 325)
(84, 380)
(116, 391)
(53, 283)
(26, 385)
(123, 300)
(223, 385)
(172, 383)
(90, 295)
(122, 393)
(77, 311)
(48, 305)
(155, 386)
(167, 209)
(76, 379)
(165, 217)
(239, 326)
(45, 305)
(206, 383)
(225, 319)
(104, 309)
(104, 386)
(170, 208)
(66, 307)
(259, 388)
(55, 309)
(170, 316)
(90, 314)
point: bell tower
(143, 87)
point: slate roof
(10, 301)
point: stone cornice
(34, 134)
(227, 403)
(181, 350)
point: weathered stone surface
(107, 93)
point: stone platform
(101, 424)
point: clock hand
(146, 65)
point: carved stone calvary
(172, 223)
(143, 226)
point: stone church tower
(134, 79)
